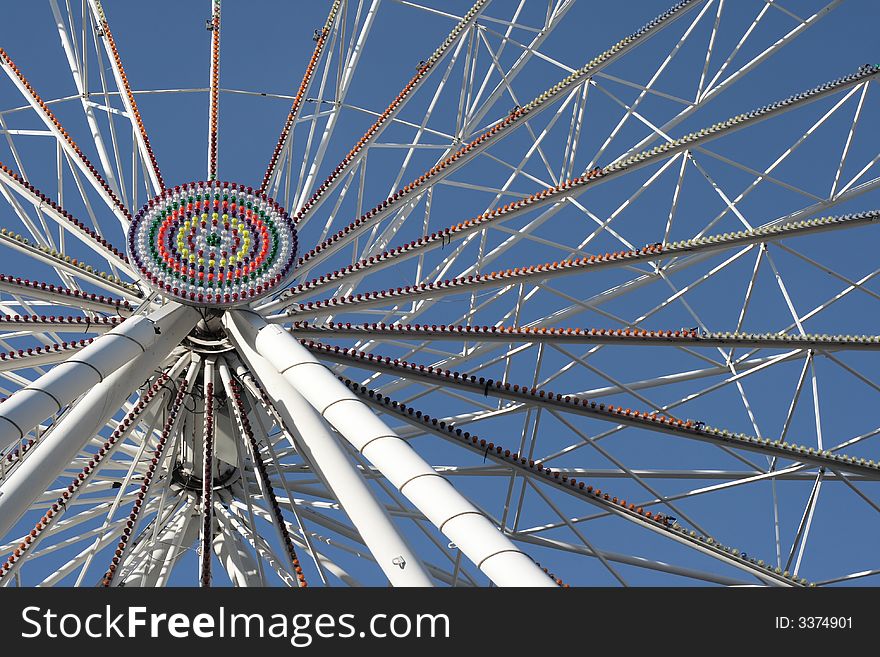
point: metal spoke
(214, 104)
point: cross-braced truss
(580, 298)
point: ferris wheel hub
(213, 244)
(207, 342)
(187, 478)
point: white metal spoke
(213, 112)
(128, 99)
(70, 147)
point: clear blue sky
(265, 46)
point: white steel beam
(688, 260)
(95, 364)
(445, 507)
(172, 541)
(236, 559)
(287, 129)
(541, 397)
(45, 205)
(127, 97)
(319, 447)
(387, 117)
(255, 447)
(565, 189)
(64, 264)
(109, 375)
(620, 336)
(214, 95)
(348, 66)
(57, 295)
(82, 89)
(70, 147)
(40, 356)
(534, 470)
(20, 324)
(406, 198)
(713, 91)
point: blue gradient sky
(265, 46)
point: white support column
(105, 396)
(29, 406)
(432, 494)
(321, 448)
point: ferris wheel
(525, 294)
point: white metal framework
(600, 327)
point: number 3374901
(814, 623)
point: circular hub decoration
(212, 244)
